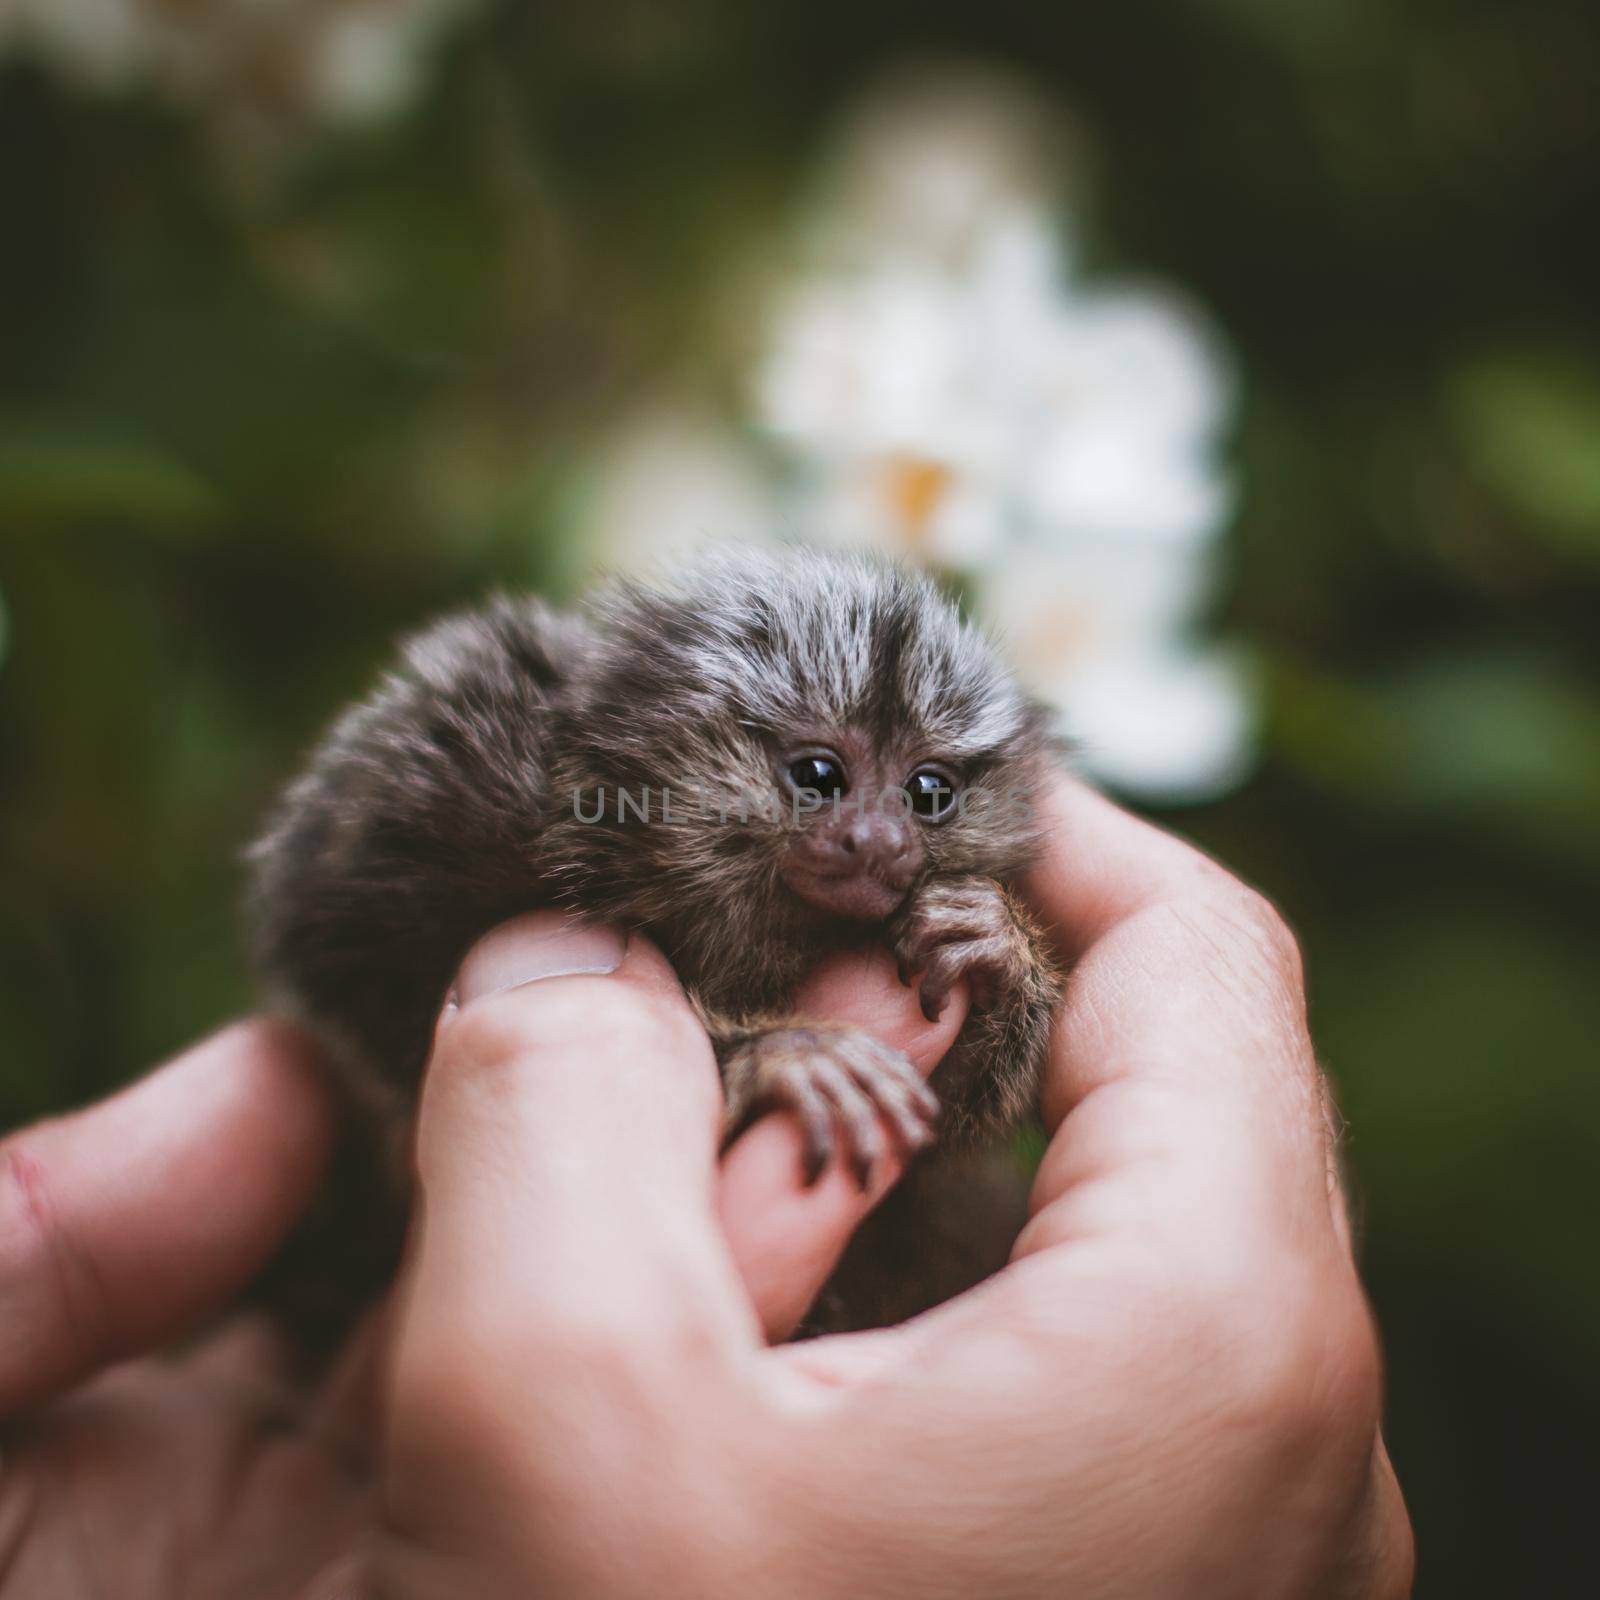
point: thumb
(566, 1152)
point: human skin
(1172, 1390)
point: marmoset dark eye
(933, 794)
(818, 774)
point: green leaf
(1462, 1037)
(1502, 740)
(50, 477)
(1531, 426)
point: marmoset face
(818, 743)
(862, 813)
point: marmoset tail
(756, 761)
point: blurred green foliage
(254, 420)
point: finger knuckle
(556, 1019)
(1238, 933)
(644, 1020)
(1268, 931)
(1293, 1364)
(487, 1033)
(52, 1301)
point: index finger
(1183, 1028)
(123, 1224)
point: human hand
(1173, 1389)
(212, 1470)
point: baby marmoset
(756, 761)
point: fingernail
(542, 944)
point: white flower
(1175, 725)
(946, 388)
(102, 43)
(368, 60)
(1107, 631)
(260, 67)
(933, 160)
(1064, 410)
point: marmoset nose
(883, 846)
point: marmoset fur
(755, 761)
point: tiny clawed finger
(887, 1080)
(913, 1120)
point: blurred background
(1238, 360)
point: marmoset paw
(839, 1082)
(966, 929)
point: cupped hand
(1173, 1389)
